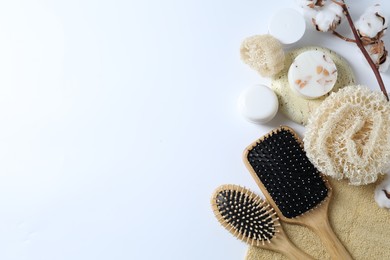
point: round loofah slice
(348, 135)
(263, 53)
(298, 108)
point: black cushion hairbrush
(253, 220)
(299, 193)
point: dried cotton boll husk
(263, 53)
(372, 24)
(348, 135)
(328, 17)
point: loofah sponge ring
(348, 135)
(263, 53)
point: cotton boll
(305, 3)
(371, 22)
(376, 9)
(326, 20)
(380, 196)
(335, 8)
(308, 4)
(310, 7)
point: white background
(118, 119)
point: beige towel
(361, 225)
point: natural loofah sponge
(263, 53)
(348, 135)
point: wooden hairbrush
(299, 193)
(251, 219)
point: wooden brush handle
(320, 225)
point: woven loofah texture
(348, 135)
(263, 53)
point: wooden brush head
(290, 182)
(244, 214)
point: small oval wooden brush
(299, 193)
(251, 219)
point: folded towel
(361, 225)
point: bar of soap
(312, 74)
(295, 107)
(287, 25)
(258, 104)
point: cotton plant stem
(343, 37)
(363, 50)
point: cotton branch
(359, 43)
(343, 37)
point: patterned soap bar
(312, 74)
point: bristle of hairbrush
(281, 164)
(244, 214)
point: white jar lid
(258, 104)
(287, 25)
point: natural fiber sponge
(263, 53)
(358, 222)
(348, 135)
(298, 108)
